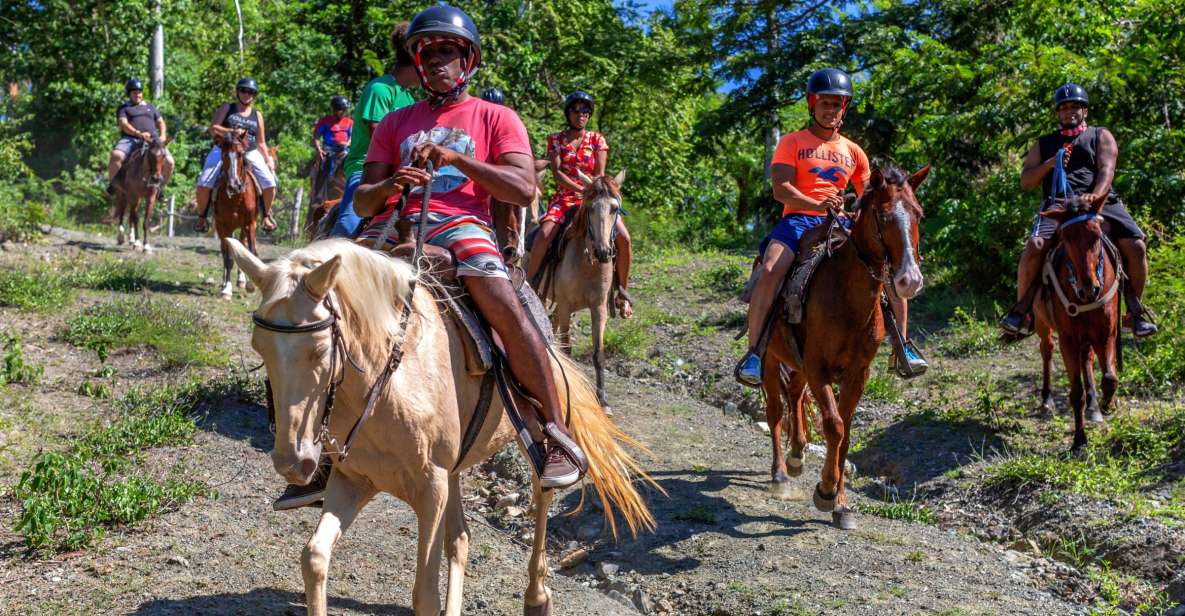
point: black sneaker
(312, 495)
(1017, 324)
(110, 189)
(1142, 327)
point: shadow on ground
(924, 446)
(259, 601)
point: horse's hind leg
(1106, 352)
(1045, 335)
(563, 325)
(149, 202)
(599, 314)
(795, 395)
(247, 236)
(456, 546)
(343, 501)
(850, 392)
(775, 414)
(133, 208)
(429, 504)
(537, 598)
(1073, 357)
(827, 490)
(1093, 414)
(120, 207)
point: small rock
(606, 569)
(764, 427)
(507, 501)
(573, 558)
(1026, 545)
(1177, 611)
(730, 408)
(8, 246)
(620, 598)
(515, 511)
(177, 560)
(642, 602)
(55, 579)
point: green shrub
(179, 333)
(724, 279)
(15, 369)
(905, 511)
(629, 340)
(38, 290)
(968, 336)
(1158, 362)
(113, 275)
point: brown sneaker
(295, 497)
(199, 225)
(565, 463)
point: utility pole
(156, 62)
(239, 12)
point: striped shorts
(469, 238)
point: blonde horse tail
(610, 467)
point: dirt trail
(723, 545)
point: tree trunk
(156, 64)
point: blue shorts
(790, 229)
(347, 221)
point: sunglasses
(580, 110)
(246, 91)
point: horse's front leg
(537, 598)
(149, 203)
(429, 503)
(248, 233)
(849, 396)
(228, 265)
(827, 490)
(343, 500)
(599, 313)
(1073, 356)
(133, 206)
(1093, 413)
(563, 324)
(121, 206)
(456, 546)
(1045, 335)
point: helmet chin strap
(838, 121)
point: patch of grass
(629, 340)
(881, 386)
(181, 334)
(698, 514)
(967, 335)
(1158, 363)
(38, 290)
(700, 469)
(1120, 594)
(916, 556)
(113, 275)
(14, 368)
(723, 279)
(905, 511)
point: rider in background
(809, 171)
(493, 95)
(331, 136)
(239, 115)
(1088, 156)
(578, 149)
(138, 121)
(379, 97)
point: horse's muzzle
(908, 283)
(299, 471)
(603, 255)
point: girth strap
(478, 420)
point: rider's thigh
(778, 258)
(622, 232)
(117, 155)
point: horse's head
(890, 211)
(155, 160)
(234, 153)
(602, 204)
(323, 307)
(1081, 231)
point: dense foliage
(688, 97)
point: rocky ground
(723, 546)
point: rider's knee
(117, 156)
(779, 265)
(1133, 247)
(622, 233)
(1034, 245)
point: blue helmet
(1070, 93)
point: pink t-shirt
(476, 128)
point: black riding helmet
(443, 20)
(133, 85)
(829, 81)
(248, 83)
(493, 95)
(577, 97)
(339, 102)
(1070, 93)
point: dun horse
(331, 318)
(583, 274)
(139, 180)
(1080, 303)
(234, 206)
(841, 330)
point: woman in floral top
(568, 151)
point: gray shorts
(127, 143)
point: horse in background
(1080, 303)
(140, 179)
(582, 276)
(234, 203)
(332, 318)
(840, 331)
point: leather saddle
(817, 244)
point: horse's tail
(610, 466)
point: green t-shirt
(380, 97)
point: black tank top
(249, 123)
(1083, 167)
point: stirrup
(906, 368)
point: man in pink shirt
(479, 151)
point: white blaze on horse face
(908, 281)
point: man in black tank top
(1088, 155)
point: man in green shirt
(381, 96)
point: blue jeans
(347, 221)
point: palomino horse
(234, 201)
(1081, 304)
(841, 330)
(140, 180)
(583, 276)
(332, 319)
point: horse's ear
(619, 178)
(255, 269)
(168, 140)
(876, 181)
(584, 179)
(919, 176)
(849, 199)
(319, 281)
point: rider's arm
(1106, 155)
(782, 177)
(510, 180)
(261, 144)
(370, 126)
(216, 127)
(561, 179)
(128, 129)
(602, 160)
(541, 164)
(380, 182)
(1035, 169)
(317, 139)
(161, 128)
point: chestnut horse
(583, 275)
(234, 205)
(139, 180)
(841, 330)
(1080, 302)
(334, 318)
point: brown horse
(234, 206)
(139, 180)
(327, 184)
(583, 276)
(331, 317)
(1080, 303)
(841, 330)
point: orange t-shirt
(821, 168)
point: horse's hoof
(250, 287)
(224, 295)
(793, 466)
(822, 502)
(784, 491)
(844, 519)
(1047, 409)
(1094, 416)
(538, 610)
(120, 240)
(148, 248)
(608, 410)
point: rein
(884, 276)
(1051, 277)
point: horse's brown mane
(893, 176)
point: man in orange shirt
(810, 170)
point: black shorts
(1119, 224)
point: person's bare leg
(1018, 320)
(775, 264)
(547, 231)
(114, 163)
(621, 265)
(269, 195)
(202, 196)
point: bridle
(1051, 277)
(588, 231)
(883, 274)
